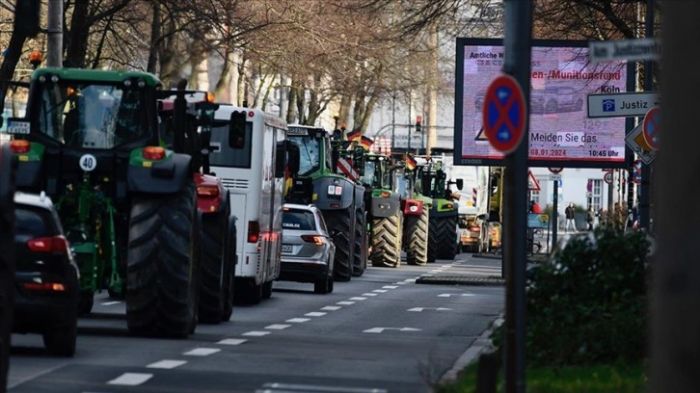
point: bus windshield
(97, 116)
(309, 153)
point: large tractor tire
(161, 296)
(360, 250)
(340, 223)
(416, 230)
(386, 241)
(442, 242)
(211, 265)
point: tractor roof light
(153, 153)
(20, 146)
(209, 97)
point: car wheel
(61, 341)
(322, 286)
(267, 290)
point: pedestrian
(569, 213)
(589, 218)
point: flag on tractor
(411, 162)
(354, 135)
(366, 142)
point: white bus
(244, 154)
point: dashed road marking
(232, 341)
(297, 320)
(255, 333)
(112, 303)
(277, 326)
(369, 294)
(201, 351)
(380, 290)
(455, 294)
(331, 308)
(315, 314)
(167, 364)
(130, 379)
(345, 303)
(359, 298)
(389, 287)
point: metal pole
(517, 46)
(629, 154)
(408, 148)
(54, 45)
(393, 119)
(648, 86)
(555, 214)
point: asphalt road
(378, 333)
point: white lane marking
(389, 287)
(167, 364)
(255, 333)
(319, 388)
(130, 379)
(298, 320)
(345, 303)
(420, 309)
(359, 298)
(400, 283)
(380, 290)
(456, 294)
(232, 341)
(381, 329)
(201, 351)
(331, 308)
(277, 326)
(369, 294)
(315, 314)
(111, 303)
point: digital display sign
(560, 132)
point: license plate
(286, 249)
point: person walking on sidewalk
(569, 213)
(589, 218)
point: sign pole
(555, 215)
(517, 47)
(644, 188)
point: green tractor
(7, 262)
(128, 205)
(386, 220)
(339, 197)
(442, 228)
(416, 212)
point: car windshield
(309, 153)
(298, 220)
(98, 116)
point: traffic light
(419, 120)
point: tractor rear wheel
(443, 238)
(416, 229)
(340, 223)
(211, 287)
(162, 262)
(386, 241)
(361, 245)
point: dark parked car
(307, 249)
(46, 279)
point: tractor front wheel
(211, 286)
(416, 229)
(339, 222)
(162, 260)
(386, 241)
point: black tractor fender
(161, 177)
(386, 206)
(326, 201)
(360, 198)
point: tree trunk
(675, 295)
(223, 85)
(292, 94)
(344, 110)
(9, 63)
(155, 39)
(300, 91)
(241, 93)
(78, 35)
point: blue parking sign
(609, 105)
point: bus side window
(236, 130)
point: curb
(460, 279)
(479, 346)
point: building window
(596, 196)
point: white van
(243, 154)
